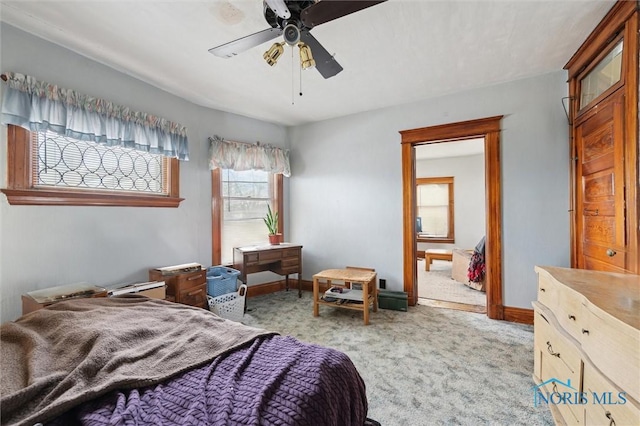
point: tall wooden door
(600, 191)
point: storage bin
(221, 280)
(394, 300)
(230, 305)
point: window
(604, 75)
(240, 200)
(48, 169)
(435, 209)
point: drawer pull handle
(572, 317)
(542, 289)
(195, 277)
(612, 422)
(193, 293)
(550, 349)
(591, 212)
(585, 331)
(611, 252)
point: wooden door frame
(489, 129)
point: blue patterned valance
(40, 106)
(240, 156)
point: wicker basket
(230, 305)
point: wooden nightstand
(187, 287)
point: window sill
(436, 240)
(36, 197)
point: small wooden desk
(436, 254)
(348, 277)
(282, 259)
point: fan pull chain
(293, 72)
(300, 80)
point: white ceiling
(396, 52)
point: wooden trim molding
(454, 131)
(606, 30)
(519, 315)
(489, 128)
(36, 197)
(20, 190)
(451, 231)
(216, 217)
(278, 199)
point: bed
(134, 360)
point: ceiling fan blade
(328, 10)
(325, 62)
(231, 49)
(279, 8)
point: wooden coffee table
(347, 277)
(436, 254)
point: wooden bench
(436, 254)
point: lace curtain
(242, 156)
(40, 106)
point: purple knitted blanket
(277, 380)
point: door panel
(600, 192)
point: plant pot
(274, 239)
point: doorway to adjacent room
(450, 221)
(489, 130)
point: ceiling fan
(294, 20)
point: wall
(45, 246)
(468, 197)
(347, 184)
(345, 192)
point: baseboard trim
(519, 315)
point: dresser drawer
(291, 262)
(269, 256)
(615, 348)
(251, 259)
(565, 304)
(605, 404)
(548, 292)
(194, 296)
(192, 279)
(293, 252)
(557, 358)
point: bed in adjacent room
(134, 360)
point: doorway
(451, 222)
(489, 129)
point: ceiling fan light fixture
(306, 57)
(291, 34)
(273, 54)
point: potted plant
(271, 220)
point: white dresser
(587, 346)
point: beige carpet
(437, 284)
(425, 367)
